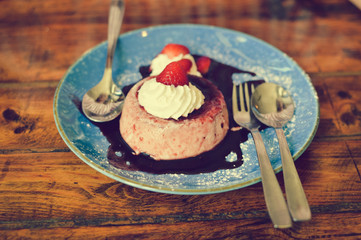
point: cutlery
(274, 106)
(104, 102)
(357, 3)
(243, 116)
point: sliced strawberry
(186, 64)
(173, 50)
(203, 64)
(173, 74)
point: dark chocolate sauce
(122, 157)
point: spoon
(104, 102)
(274, 106)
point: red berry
(173, 74)
(173, 50)
(203, 64)
(186, 64)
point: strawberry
(173, 74)
(186, 64)
(173, 50)
(203, 64)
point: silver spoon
(104, 102)
(274, 106)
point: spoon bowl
(274, 106)
(104, 102)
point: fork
(243, 116)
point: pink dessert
(174, 115)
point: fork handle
(275, 202)
(296, 197)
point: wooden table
(46, 192)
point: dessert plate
(138, 48)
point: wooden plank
(59, 190)
(324, 226)
(26, 120)
(53, 36)
(339, 99)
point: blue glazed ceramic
(138, 48)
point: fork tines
(244, 91)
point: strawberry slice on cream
(173, 52)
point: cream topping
(168, 101)
(161, 61)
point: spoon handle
(296, 197)
(116, 14)
(275, 202)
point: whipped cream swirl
(168, 101)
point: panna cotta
(174, 114)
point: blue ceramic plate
(136, 49)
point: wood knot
(344, 95)
(23, 123)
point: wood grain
(54, 185)
(46, 192)
(27, 121)
(45, 29)
(230, 229)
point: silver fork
(242, 114)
